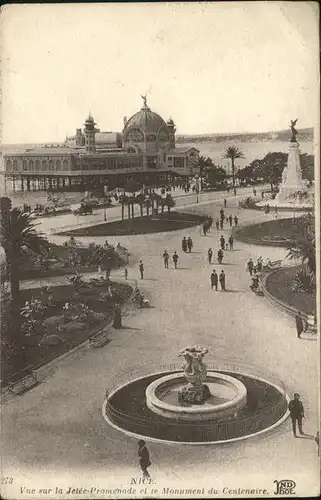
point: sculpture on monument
(195, 373)
(144, 97)
(293, 130)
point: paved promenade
(57, 428)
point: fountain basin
(229, 395)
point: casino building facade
(144, 151)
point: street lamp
(197, 187)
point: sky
(213, 67)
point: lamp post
(197, 187)
(105, 215)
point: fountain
(221, 397)
(195, 404)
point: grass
(271, 233)
(35, 355)
(169, 221)
(279, 284)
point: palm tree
(170, 202)
(18, 236)
(232, 153)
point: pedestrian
(141, 269)
(262, 194)
(234, 191)
(166, 259)
(231, 242)
(144, 460)
(230, 220)
(221, 223)
(299, 324)
(296, 413)
(126, 274)
(222, 280)
(250, 266)
(259, 264)
(214, 280)
(210, 222)
(217, 223)
(220, 256)
(222, 240)
(236, 220)
(175, 259)
(254, 192)
(189, 244)
(205, 228)
(99, 269)
(276, 212)
(225, 202)
(228, 189)
(209, 255)
(222, 214)
(184, 244)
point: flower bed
(58, 328)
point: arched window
(31, 166)
(65, 165)
(38, 166)
(44, 165)
(15, 166)
(51, 166)
(25, 165)
(58, 165)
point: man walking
(141, 269)
(225, 202)
(222, 241)
(217, 224)
(209, 255)
(214, 280)
(250, 266)
(184, 244)
(296, 413)
(166, 259)
(144, 460)
(230, 220)
(189, 244)
(299, 324)
(222, 215)
(222, 280)
(236, 220)
(231, 242)
(221, 223)
(175, 259)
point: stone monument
(195, 374)
(292, 183)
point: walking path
(57, 429)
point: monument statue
(195, 373)
(293, 130)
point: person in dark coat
(166, 259)
(175, 259)
(225, 202)
(141, 269)
(214, 280)
(231, 242)
(299, 324)
(222, 280)
(230, 220)
(220, 256)
(184, 244)
(296, 413)
(236, 220)
(209, 255)
(222, 241)
(144, 460)
(221, 223)
(189, 244)
(222, 215)
(250, 266)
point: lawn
(169, 221)
(58, 331)
(273, 233)
(279, 284)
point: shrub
(304, 281)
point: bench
(99, 340)
(273, 265)
(24, 384)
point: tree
(232, 153)
(170, 202)
(270, 168)
(307, 166)
(303, 246)
(205, 164)
(216, 175)
(17, 236)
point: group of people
(215, 279)
(224, 218)
(207, 224)
(256, 267)
(175, 258)
(187, 244)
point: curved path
(57, 429)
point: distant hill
(305, 134)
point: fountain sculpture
(195, 373)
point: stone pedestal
(291, 177)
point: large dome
(145, 120)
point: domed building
(144, 151)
